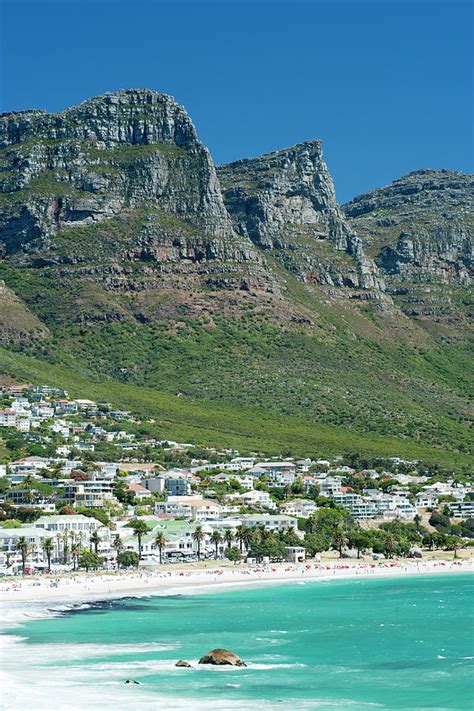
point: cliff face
(119, 195)
(419, 232)
(91, 162)
(285, 202)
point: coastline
(74, 590)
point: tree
(216, 538)
(48, 547)
(23, 547)
(75, 552)
(89, 560)
(339, 540)
(453, 543)
(417, 522)
(228, 537)
(268, 548)
(95, 539)
(315, 543)
(65, 540)
(240, 536)
(389, 544)
(233, 554)
(128, 559)
(198, 536)
(139, 529)
(117, 543)
(160, 542)
(359, 540)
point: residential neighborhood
(80, 477)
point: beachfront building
(11, 556)
(68, 524)
(271, 522)
(179, 545)
(295, 554)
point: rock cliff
(285, 203)
(91, 162)
(419, 232)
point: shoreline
(80, 589)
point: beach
(84, 587)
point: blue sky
(386, 85)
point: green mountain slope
(128, 258)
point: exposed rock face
(95, 160)
(419, 231)
(222, 657)
(118, 194)
(285, 202)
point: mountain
(285, 202)
(419, 232)
(127, 256)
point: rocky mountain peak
(129, 116)
(285, 201)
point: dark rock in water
(131, 681)
(182, 663)
(222, 656)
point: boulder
(182, 663)
(222, 656)
(131, 681)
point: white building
(272, 522)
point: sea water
(393, 643)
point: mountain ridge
(128, 254)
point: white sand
(80, 587)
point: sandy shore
(80, 587)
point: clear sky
(385, 84)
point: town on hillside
(87, 486)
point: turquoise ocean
(393, 643)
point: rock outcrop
(182, 663)
(92, 161)
(285, 202)
(222, 657)
(419, 232)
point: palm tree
(249, 536)
(117, 543)
(95, 539)
(198, 536)
(48, 547)
(390, 545)
(216, 538)
(160, 542)
(75, 552)
(139, 529)
(240, 535)
(228, 537)
(65, 538)
(23, 547)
